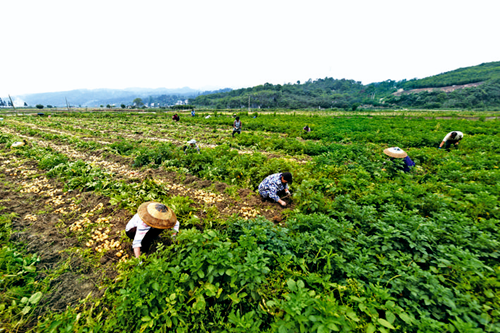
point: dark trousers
(148, 238)
(449, 143)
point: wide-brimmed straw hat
(157, 215)
(192, 142)
(395, 152)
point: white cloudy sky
(54, 45)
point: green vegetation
(483, 72)
(366, 247)
(19, 289)
(329, 93)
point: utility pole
(11, 102)
(67, 105)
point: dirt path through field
(139, 137)
(42, 220)
(246, 201)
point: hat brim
(163, 220)
(391, 153)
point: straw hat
(192, 142)
(157, 215)
(395, 152)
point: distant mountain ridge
(433, 92)
(96, 97)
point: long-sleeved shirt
(142, 229)
(271, 185)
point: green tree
(138, 101)
(39, 106)
(122, 106)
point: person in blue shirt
(273, 184)
(396, 152)
(192, 113)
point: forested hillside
(483, 72)
(484, 96)
(330, 93)
(321, 93)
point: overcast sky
(50, 45)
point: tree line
(330, 93)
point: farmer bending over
(151, 219)
(451, 138)
(237, 126)
(273, 184)
(396, 152)
(191, 144)
(175, 117)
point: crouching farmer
(191, 144)
(273, 184)
(151, 219)
(452, 138)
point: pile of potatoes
(248, 212)
(176, 187)
(207, 197)
(78, 225)
(30, 217)
(36, 186)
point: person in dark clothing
(237, 126)
(175, 117)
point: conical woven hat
(157, 215)
(395, 152)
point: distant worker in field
(175, 117)
(396, 152)
(452, 138)
(192, 113)
(274, 184)
(307, 128)
(151, 219)
(237, 126)
(191, 144)
(19, 143)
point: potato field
(361, 246)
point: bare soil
(445, 89)
(49, 235)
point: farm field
(361, 246)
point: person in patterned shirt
(273, 184)
(151, 219)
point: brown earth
(50, 238)
(445, 89)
